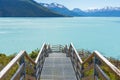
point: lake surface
(91, 33)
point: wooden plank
(20, 69)
(29, 58)
(88, 68)
(88, 78)
(22, 78)
(101, 72)
(110, 65)
(96, 78)
(88, 59)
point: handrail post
(82, 73)
(69, 51)
(95, 72)
(49, 49)
(66, 50)
(59, 49)
(46, 50)
(23, 73)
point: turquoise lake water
(91, 33)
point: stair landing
(58, 67)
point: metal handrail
(17, 58)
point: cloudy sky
(84, 4)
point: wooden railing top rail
(11, 63)
(101, 58)
(76, 53)
(110, 65)
(88, 59)
(29, 58)
(14, 61)
(40, 52)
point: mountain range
(58, 8)
(103, 12)
(24, 8)
(30, 8)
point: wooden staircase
(79, 67)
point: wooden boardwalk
(58, 67)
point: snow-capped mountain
(102, 12)
(52, 5)
(61, 9)
(107, 11)
(58, 8)
(104, 9)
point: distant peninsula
(24, 8)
